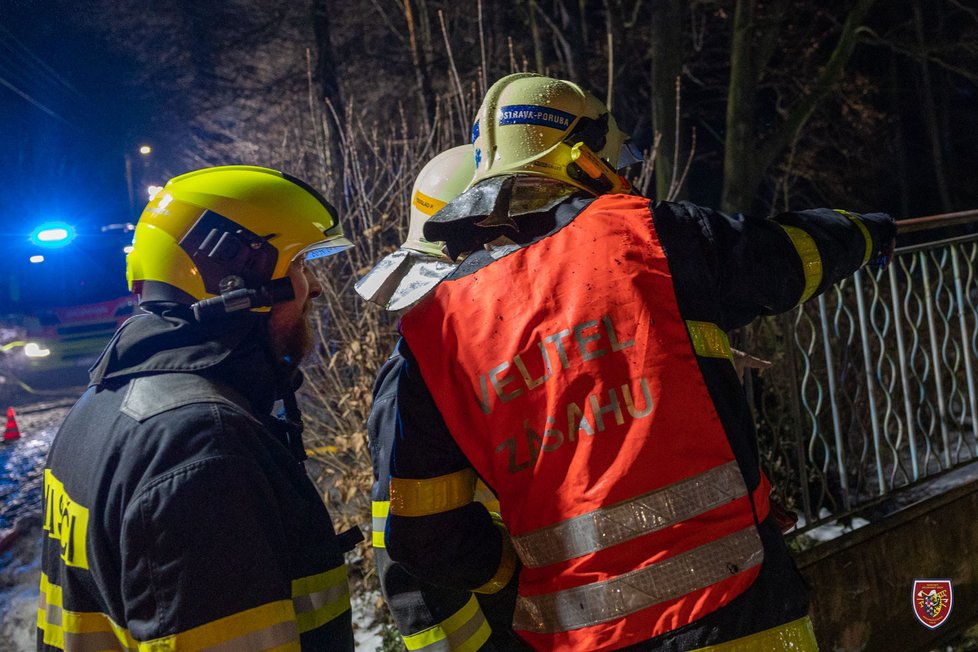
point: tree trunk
(746, 159)
(739, 184)
(421, 76)
(929, 113)
(535, 35)
(896, 109)
(667, 66)
(325, 77)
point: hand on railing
(884, 234)
(743, 361)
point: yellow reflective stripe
(79, 630)
(507, 564)
(709, 340)
(379, 510)
(427, 205)
(796, 636)
(433, 495)
(484, 495)
(862, 227)
(466, 630)
(811, 260)
(320, 598)
(270, 626)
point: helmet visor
(328, 247)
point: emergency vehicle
(62, 295)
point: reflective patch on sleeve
(507, 564)
(66, 521)
(811, 260)
(320, 598)
(73, 630)
(379, 510)
(862, 227)
(709, 340)
(432, 495)
(271, 626)
(466, 630)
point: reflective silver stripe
(600, 602)
(264, 639)
(464, 631)
(311, 602)
(92, 642)
(632, 518)
(379, 510)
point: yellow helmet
(440, 181)
(226, 229)
(531, 124)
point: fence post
(840, 456)
(904, 370)
(795, 399)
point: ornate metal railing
(874, 385)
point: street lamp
(144, 151)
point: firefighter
(577, 362)
(177, 512)
(428, 616)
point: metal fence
(874, 389)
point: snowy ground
(21, 464)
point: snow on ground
(830, 531)
(21, 468)
(368, 630)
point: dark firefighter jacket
(175, 517)
(429, 617)
(720, 272)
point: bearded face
(289, 328)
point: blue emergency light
(53, 234)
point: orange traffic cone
(11, 432)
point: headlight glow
(35, 350)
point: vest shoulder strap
(148, 396)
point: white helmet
(401, 279)
(440, 181)
(536, 125)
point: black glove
(884, 236)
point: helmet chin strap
(291, 426)
(237, 299)
(234, 299)
(287, 379)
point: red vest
(566, 374)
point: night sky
(69, 118)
